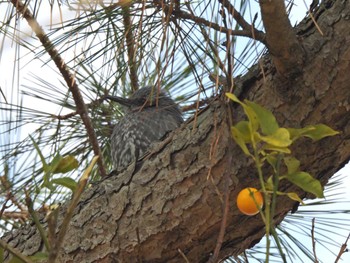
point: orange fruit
(246, 203)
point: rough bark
(172, 202)
(286, 51)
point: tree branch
(246, 32)
(130, 42)
(256, 34)
(68, 77)
(286, 51)
(15, 252)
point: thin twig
(139, 258)
(196, 105)
(226, 206)
(313, 240)
(35, 219)
(52, 225)
(276, 177)
(255, 34)
(3, 95)
(69, 213)
(15, 252)
(64, 117)
(7, 187)
(220, 239)
(229, 56)
(130, 44)
(67, 75)
(22, 216)
(312, 7)
(183, 255)
(90, 105)
(203, 22)
(343, 249)
(213, 48)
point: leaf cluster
(261, 138)
(269, 141)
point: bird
(149, 116)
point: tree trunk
(171, 206)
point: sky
(29, 66)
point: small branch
(196, 105)
(66, 116)
(90, 105)
(286, 51)
(22, 216)
(68, 77)
(36, 221)
(311, 9)
(256, 34)
(201, 21)
(15, 252)
(226, 207)
(7, 187)
(276, 178)
(343, 249)
(220, 239)
(130, 44)
(69, 213)
(183, 255)
(313, 240)
(229, 56)
(52, 216)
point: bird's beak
(120, 100)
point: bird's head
(145, 97)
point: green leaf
(315, 132)
(319, 132)
(39, 256)
(280, 138)
(49, 170)
(55, 162)
(233, 97)
(249, 112)
(66, 164)
(269, 184)
(239, 139)
(306, 182)
(292, 164)
(66, 182)
(253, 120)
(36, 146)
(295, 197)
(269, 147)
(297, 133)
(272, 160)
(243, 127)
(266, 119)
(46, 183)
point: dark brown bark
(173, 201)
(285, 49)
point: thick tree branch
(68, 77)
(283, 45)
(168, 204)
